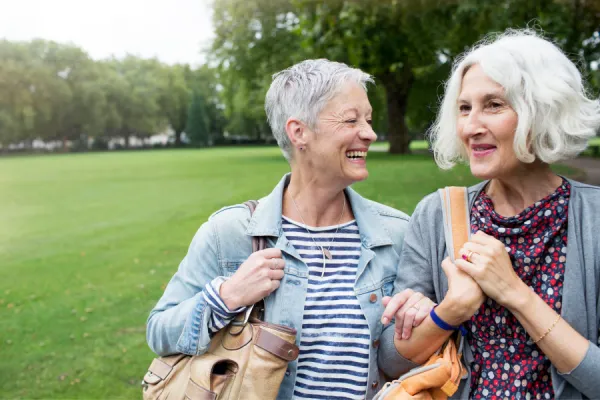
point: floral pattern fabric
(507, 364)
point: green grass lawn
(89, 242)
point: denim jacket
(179, 322)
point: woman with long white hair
(527, 288)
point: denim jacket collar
(266, 220)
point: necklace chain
(324, 251)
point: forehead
(350, 97)
(476, 82)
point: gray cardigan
(420, 269)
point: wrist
(228, 296)
(519, 297)
(451, 312)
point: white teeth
(356, 154)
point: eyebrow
(369, 111)
(487, 97)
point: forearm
(424, 341)
(428, 337)
(562, 344)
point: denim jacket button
(373, 298)
(287, 373)
(375, 384)
(376, 343)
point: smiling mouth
(356, 155)
(483, 147)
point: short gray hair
(302, 91)
(556, 115)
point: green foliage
(198, 128)
(53, 91)
(407, 45)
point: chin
(483, 172)
(357, 177)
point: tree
(175, 98)
(198, 127)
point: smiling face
(486, 126)
(338, 147)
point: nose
(473, 124)
(368, 134)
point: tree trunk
(397, 87)
(178, 138)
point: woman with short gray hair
(527, 286)
(332, 254)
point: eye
(370, 121)
(495, 105)
(464, 108)
(351, 121)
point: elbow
(155, 336)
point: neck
(512, 194)
(318, 203)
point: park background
(109, 164)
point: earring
(301, 148)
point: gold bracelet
(549, 329)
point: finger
(482, 238)
(425, 307)
(406, 314)
(385, 300)
(269, 253)
(448, 267)
(468, 255)
(277, 263)
(276, 274)
(421, 315)
(476, 248)
(394, 305)
(275, 285)
(409, 319)
(470, 269)
(411, 302)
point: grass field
(90, 240)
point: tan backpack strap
(457, 225)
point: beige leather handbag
(246, 360)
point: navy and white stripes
(221, 315)
(334, 345)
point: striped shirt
(334, 345)
(221, 315)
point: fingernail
(404, 335)
(384, 320)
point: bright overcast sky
(175, 31)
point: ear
(297, 132)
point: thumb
(448, 267)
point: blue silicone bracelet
(444, 325)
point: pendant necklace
(324, 250)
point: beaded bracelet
(549, 329)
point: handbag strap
(457, 226)
(258, 242)
(256, 310)
(455, 209)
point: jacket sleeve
(414, 272)
(179, 323)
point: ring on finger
(467, 256)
